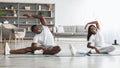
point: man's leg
(52, 51)
(26, 50)
(21, 51)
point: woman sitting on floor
(95, 40)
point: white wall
(72, 12)
(108, 14)
(79, 12)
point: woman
(96, 40)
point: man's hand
(28, 15)
(42, 19)
(97, 50)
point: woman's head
(91, 30)
(36, 29)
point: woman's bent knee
(112, 48)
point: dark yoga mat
(103, 54)
(37, 56)
(58, 55)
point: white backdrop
(79, 12)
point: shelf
(8, 2)
(45, 10)
(32, 17)
(27, 10)
(28, 38)
(35, 10)
(23, 3)
(20, 9)
(9, 9)
(8, 17)
(23, 24)
(20, 17)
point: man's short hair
(32, 27)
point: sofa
(72, 31)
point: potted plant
(13, 30)
(11, 7)
(1, 13)
(41, 13)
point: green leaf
(1, 13)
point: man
(42, 36)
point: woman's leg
(107, 49)
(21, 51)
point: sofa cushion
(81, 34)
(80, 29)
(72, 32)
(71, 29)
(62, 34)
(60, 29)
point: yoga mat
(103, 54)
(38, 56)
(58, 55)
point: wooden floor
(35, 61)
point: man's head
(36, 29)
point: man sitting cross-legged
(42, 36)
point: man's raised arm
(42, 20)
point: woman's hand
(86, 25)
(93, 47)
(93, 22)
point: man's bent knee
(54, 50)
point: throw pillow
(60, 29)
